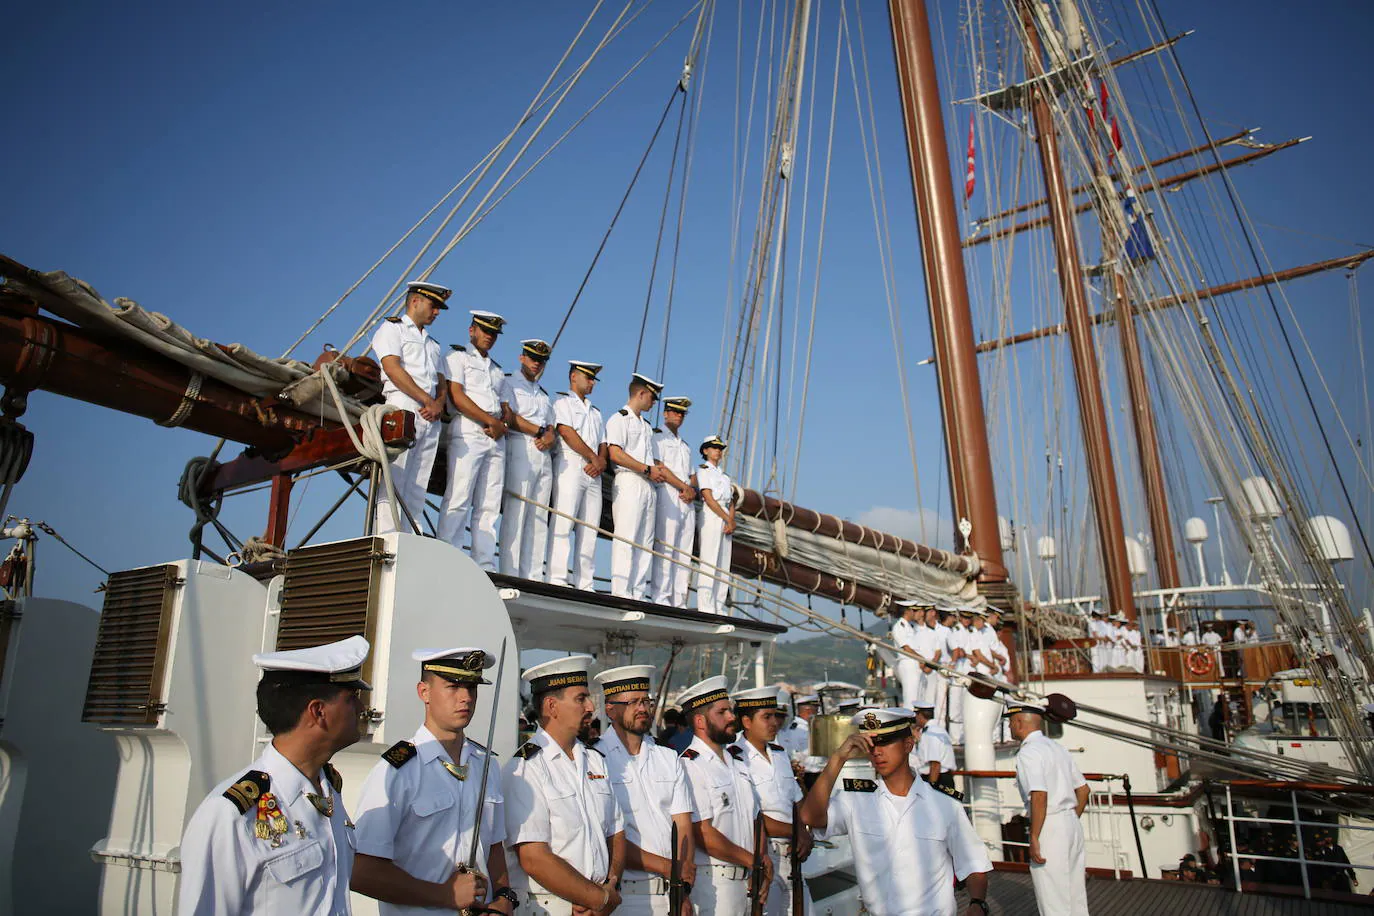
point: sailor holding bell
(420, 805)
(276, 838)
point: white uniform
(529, 472)
(1000, 653)
(1099, 652)
(796, 737)
(675, 523)
(777, 789)
(933, 747)
(907, 849)
(722, 793)
(650, 787)
(1135, 650)
(960, 637)
(945, 642)
(410, 470)
(300, 865)
(416, 813)
(1044, 766)
(564, 802)
(576, 494)
(1212, 639)
(713, 544)
(632, 505)
(476, 462)
(927, 643)
(1117, 635)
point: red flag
(1116, 140)
(969, 177)
(1102, 95)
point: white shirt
(1042, 765)
(774, 784)
(675, 454)
(944, 641)
(925, 642)
(907, 849)
(902, 635)
(565, 802)
(582, 418)
(710, 477)
(959, 638)
(650, 787)
(482, 381)
(722, 793)
(226, 870)
(418, 351)
(420, 816)
(999, 649)
(632, 433)
(1190, 638)
(935, 745)
(796, 737)
(528, 399)
(981, 638)
(1211, 638)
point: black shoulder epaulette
(494, 363)
(394, 319)
(507, 375)
(334, 776)
(247, 789)
(528, 750)
(481, 747)
(561, 394)
(541, 388)
(399, 754)
(860, 785)
(623, 412)
(776, 747)
(952, 793)
(691, 753)
(705, 465)
(459, 347)
(657, 430)
(735, 751)
(794, 724)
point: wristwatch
(981, 904)
(506, 893)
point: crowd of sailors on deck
(524, 469)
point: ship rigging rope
(48, 530)
(372, 446)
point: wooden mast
(1097, 445)
(961, 393)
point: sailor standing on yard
(476, 441)
(651, 787)
(419, 805)
(413, 381)
(562, 818)
(630, 449)
(276, 838)
(715, 526)
(579, 458)
(1055, 794)
(675, 510)
(724, 802)
(910, 840)
(529, 465)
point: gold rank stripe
(431, 294)
(456, 672)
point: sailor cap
(757, 698)
(625, 679)
(851, 703)
(712, 441)
(704, 693)
(655, 387)
(338, 663)
(680, 404)
(591, 370)
(806, 699)
(432, 291)
(535, 348)
(885, 724)
(488, 321)
(570, 671)
(972, 612)
(1017, 706)
(461, 666)
(927, 709)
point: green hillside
(806, 661)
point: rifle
(798, 889)
(674, 878)
(471, 864)
(758, 890)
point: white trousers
(716, 895)
(575, 494)
(941, 698)
(1061, 883)
(544, 905)
(909, 674)
(632, 507)
(675, 523)
(525, 528)
(956, 713)
(1101, 655)
(410, 471)
(713, 547)
(780, 891)
(476, 476)
(930, 688)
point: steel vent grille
(125, 687)
(330, 593)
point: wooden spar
(750, 562)
(1171, 181)
(961, 395)
(1097, 446)
(1348, 262)
(1080, 188)
(756, 505)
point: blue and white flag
(1138, 247)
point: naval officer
(419, 806)
(910, 840)
(760, 717)
(933, 756)
(903, 634)
(651, 787)
(413, 380)
(630, 449)
(579, 458)
(1055, 794)
(675, 511)
(529, 465)
(476, 441)
(715, 526)
(724, 801)
(276, 838)
(796, 737)
(562, 818)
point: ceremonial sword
(486, 768)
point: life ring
(1199, 662)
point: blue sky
(238, 167)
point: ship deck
(1010, 894)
